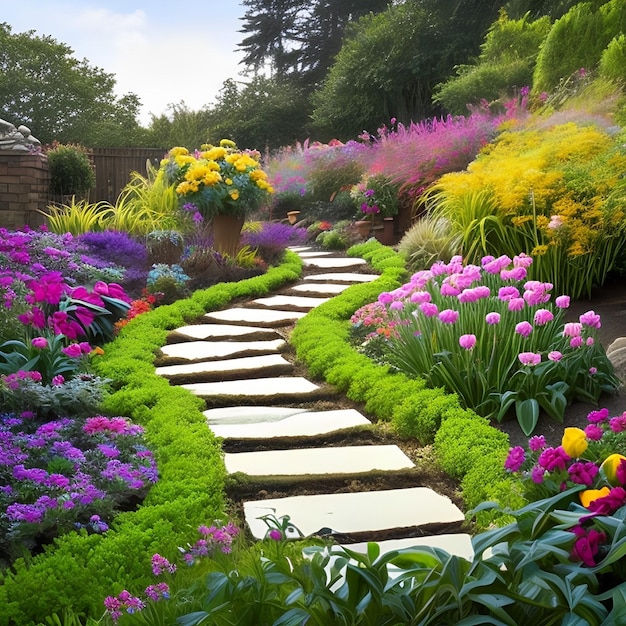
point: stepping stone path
(235, 360)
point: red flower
(587, 545)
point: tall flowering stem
(496, 339)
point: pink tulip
(529, 358)
(467, 341)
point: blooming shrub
(554, 191)
(67, 473)
(494, 338)
(218, 179)
(590, 462)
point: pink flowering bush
(65, 474)
(497, 340)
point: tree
(390, 63)
(59, 97)
(298, 39)
(181, 127)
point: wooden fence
(114, 166)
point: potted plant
(377, 198)
(218, 183)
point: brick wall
(24, 188)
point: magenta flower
(543, 316)
(417, 297)
(516, 304)
(492, 318)
(536, 443)
(596, 417)
(447, 289)
(593, 432)
(385, 298)
(587, 545)
(618, 424)
(507, 293)
(58, 380)
(590, 318)
(517, 273)
(555, 356)
(562, 302)
(553, 458)
(495, 266)
(576, 342)
(529, 358)
(396, 305)
(515, 459)
(522, 260)
(467, 341)
(524, 328)
(39, 342)
(582, 473)
(275, 534)
(536, 474)
(449, 316)
(572, 329)
(73, 351)
(428, 309)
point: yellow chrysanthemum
(228, 181)
(539, 250)
(211, 178)
(186, 187)
(178, 150)
(609, 468)
(257, 175)
(214, 154)
(574, 442)
(227, 143)
(183, 159)
(589, 495)
(197, 172)
(234, 194)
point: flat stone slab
(265, 424)
(268, 317)
(220, 331)
(328, 460)
(298, 249)
(206, 350)
(356, 512)
(344, 277)
(314, 253)
(244, 364)
(298, 302)
(233, 415)
(459, 544)
(286, 385)
(321, 288)
(338, 262)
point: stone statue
(17, 139)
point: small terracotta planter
(292, 216)
(363, 227)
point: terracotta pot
(226, 233)
(363, 227)
(292, 216)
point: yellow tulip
(589, 495)
(574, 442)
(609, 468)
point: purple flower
(537, 473)
(39, 342)
(595, 417)
(275, 534)
(417, 297)
(428, 309)
(555, 355)
(618, 424)
(467, 341)
(593, 432)
(160, 564)
(572, 329)
(536, 443)
(524, 329)
(517, 273)
(495, 266)
(74, 351)
(553, 458)
(449, 316)
(515, 459)
(507, 293)
(516, 304)
(576, 342)
(582, 473)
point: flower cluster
(217, 179)
(496, 339)
(376, 194)
(588, 459)
(67, 473)
(211, 538)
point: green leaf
(527, 412)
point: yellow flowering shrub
(217, 179)
(555, 192)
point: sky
(163, 51)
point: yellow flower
(234, 194)
(214, 154)
(211, 178)
(574, 442)
(609, 468)
(589, 495)
(178, 150)
(228, 181)
(227, 143)
(539, 250)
